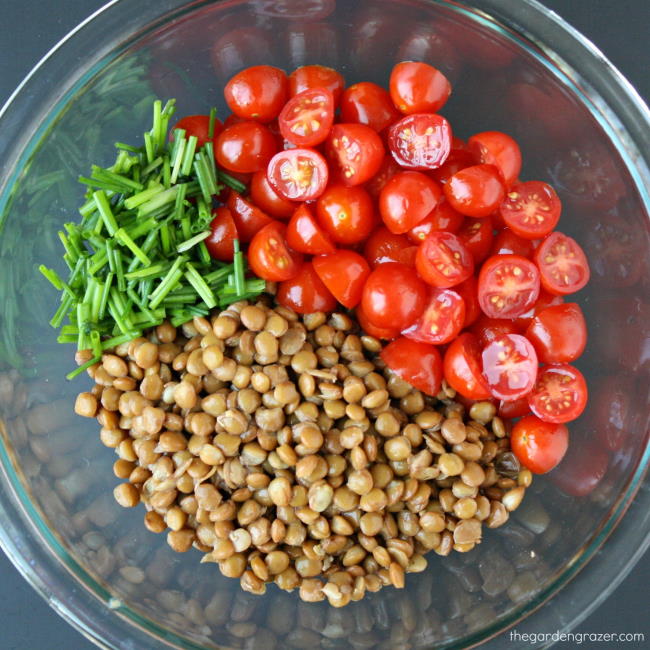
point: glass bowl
(516, 67)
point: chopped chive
(165, 287)
(95, 343)
(155, 270)
(104, 296)
(119, 269)
(213, 118)
(114, 341)
(204, 253)
(177, 156)
(61, 312)
(159, 200)
(105, 211)
(199, 284)
(189, 243)
(122, 236)
(165, 239)
(101, 258)
(68, 247)
(66, 338)
(52, 276)
(238, 263)
(77, 371)
(149, 147)
(141, 228)
(188, 157)
(152, 166)
(142, 197)
(127, 147)
(231, 182)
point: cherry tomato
(387, 333)
(443, 260)
(344, 273)
(531, 209)
(441, 320)
(384, 246)
(509, 366)
(387, 170)
(442, 217)
(538, 445)
(417, 363)
(305, 293)
(508, 286)
(562, 264)
(462, 367)
(418, 88)
(420, 141)
(407, 199)
(580, 473)
(393, 296)
(475, 191)
(307, 118)
(613, 407)
(316, 76)
(477, 235)
(499, 149)
(356, 150)
(249, 219)
(468, 291)
(514, 408)
(559, 395)
(507, 243)
(298, 174)
(487, 329)
(267, 199)
(545, 300)
(369, 104)
(223, 232)
(245, 147)
(558, 333)
(456, 160)
(257, 93)
(199, 126)
(305, 235)
(346, 213)
(269, 256)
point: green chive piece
(231, 182)
(52, 276)
(142, 197)
(122, 236)
(188, 158)
(211, 123)
(77, 371)
(199, 284)
(238, 262)
(189, 243)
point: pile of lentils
(282, 448)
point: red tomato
(417, 363)
(346, 213)
(499, 149)
(562, 264)
(514, 408)
(269, 256)
(507, 243)
(305, 235)
(475, 191)
(384, 246)
(545, 300)
(298, 174)
(268, 199)
(367, 327)
(393, 296)
(508, 286)
(477, 235)
(558, 333)
(509, 366)
(538, 445)
(220, 243)
(613, 406)
(249, 219)
(441, 320)
(407, 199)
(369, 104)
(463, 368)
(307, 118)
(305, 293)
(559, 395)
(387, 170)
(456, 160)
(257, 93)
(316, 76)
(420, 141)
(442, 217)
(468, 291)
(487, 329)
(531, 209)
(245, 147)
(344, 273)
(199, 126)
(418, 88)
(443, 260)
(356, 151)
(581, 471)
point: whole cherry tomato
(441, 320)
(531, 209)
(538, 445)
(513, 408)
(346, 213)
(468, 291)
(487, 329)
(443, 260)
(420, 141)
(305, 293)
(344, 273)
(563, 266)
(245, 147)
(356, 151)
(509, 366)
(267, 199)
(559, 395)
(558, 333)
(418, 88)
(442, 217)
(298, 174)
(456, 160)
(507, 242)
(199, 126)
(223, 232)
(477, 235)
(462, 368)
(387, 333)
(387, 170)
(316, 76)
(249, 219)
(269, 256)
(307, 118)
(475, 191)
(384, 246)
(419, 364)
(369, 104)
(498, 149)
(305, 235)
(544, 300)
(257, 93)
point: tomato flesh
(419, 364)
(305, 235)
(344, 273)
(305, 293)
(475, 191)
(498, 149)
(223, 232)
(462, 368)
(531, 209)
(420, 141)
(558, 333)
(538, 445)
(307, 118)
(356, 150)
(441, 320)
(560, 394)
(298, 174)
(443, 260)
(269, 256)
(562, 264)
(249, 219)
(509, 366)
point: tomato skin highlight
(369, 104)
(559, 395)
(346, 213)
(384, 246)
(305, 293)
(531, 209)
(249, 219)
(220, 243)
(443, 260)
(269, 257)
(562, 264)
(199, 126)
(509, 366)
(513, 408)
(307, 118)
(420, 141)
(462, 368)
(419, 364)
(558, 333)
(257, 93)
(386, 333)
(538, 445)
(442, 318)
(305, 235)
(544, 300)
(442, 217)
(268, 200)
(344, 273)
(356, 151)
(245, 147)
(316, 76)
(487, 329)
(298, 174)
(507, 242)
(475, 191)
(418, 88)
(498, 149)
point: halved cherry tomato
(499, 149)
(344, 273)
(266, 198)
(487, 329)
(513, 408)
(507, 243)
(545, 300)
(393, 296)
(387, 333)
(558, 333)
(199, 126)
(387, 170)
(420, 141)
(407, 199)
(443, 260)
(356, 151)
(305, 293)
(384, 246)
(257, 93)
(269, 256)
(456, 160)
(468, 291)
(346, 213)
(298, 174)
(508, 286)
(562, 264)
(369, 104)
(307, 118)
(245, 147)
(477, 235)
(441, 320)
(305, 235)
(442, 217)
(223, 232)
(531, 209)
(509, 366)
(462, 366)
(418, 88)
(419, 364)
(249, 219)
(559, 395)
(538, 445)
(475, 191)
(316, 76)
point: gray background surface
(28, 29)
